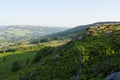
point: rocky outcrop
(113, 76)
(78, 37)
(55, 56)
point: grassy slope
(21, 57)
(98, 54)
(5, 66)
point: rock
(75, 78)
(107, 32)
(56, 56)
(59, 62)
(23, 64)
(1, 79)
(113, 76)
(80, 37)
(31, 74)
(21, 77)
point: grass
(97, 56)
(94, 42)
(5, 66)
(21, 56)
(55, 43)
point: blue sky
(66, 13)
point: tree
(4, 58)
(45, 40)
(57, 38)
(15, 66)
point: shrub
(10, 50)
(15, 66)
(28, 61)
(36, 58)
(42, 53)
(4, 58)
(57, 38)
(45, 40)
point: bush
(28, 61)
(4, 58)
(15, 66)
(2, 51)
(37, 58)
(44, 40)
(43, 53)
(10, 50)
(57, 38)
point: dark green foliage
(34, 41)
(57, 38)
(37, 58)
(2, 51)
(15, 66)
(116, 39)
(4, 58)
(10, 50)
(28, 61)
(43, 53)
(44, 40)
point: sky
(64, 13)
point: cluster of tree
(50, 39)
(47, 39)
(16, 65)
(43, 53)
(8, 50)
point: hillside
(78, 29)
(93, 57)
(23, 32)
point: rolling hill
(78, 30)
(23, 32)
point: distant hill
(19, 32)
(78, 29)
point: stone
(31, 74)
(107, 32)
(75, 78)
(55, 56)
(113, 76)
(1, 79)
(80, 37)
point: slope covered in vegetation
(77, 30)
(14, 64)
(93, 57)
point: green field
(21, 56)
(5, 66)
